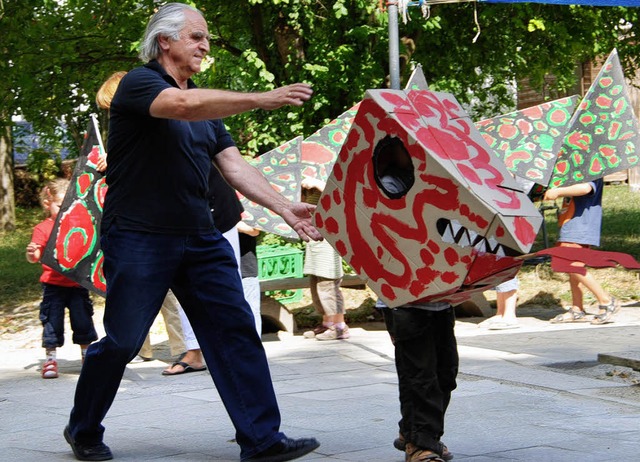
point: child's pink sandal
(50, 369)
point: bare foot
(192, 361)
(181, 367)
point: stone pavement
(536, 393)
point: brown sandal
(401, 445)
(416, 454)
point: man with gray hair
(158, 234)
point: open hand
(295, 95)
(299, 216)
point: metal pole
(394, 48)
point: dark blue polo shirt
(225, 206)
(158, 169)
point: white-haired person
(157, 233)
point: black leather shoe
(285, 449)
(99, 451)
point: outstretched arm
(581, 189)
(203, 104)
(250, 182)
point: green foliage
(43, 165)
(303, 42)
(19, 278)
(55, 55)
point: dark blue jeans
(54, 300)
(426, 355)
(202, 272)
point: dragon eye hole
(393, 167)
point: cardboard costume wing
(320, 150)
(281, 167)
(418, 204)
(528, 140)
(73, 248)
(563, 142)
(603, 136)
(284, 167)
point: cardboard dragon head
(420, 206)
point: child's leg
(327, 318)
(507, 302)
(506, 297)
(52, 317)
(577, 294)
(593, 286)
(578, 281)
(422, 400)
(331, 301)
(447, 353)
(314, 281)
(80, 317)
(83, 350)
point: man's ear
(163, 42)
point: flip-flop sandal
(186, 368)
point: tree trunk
(7, 199)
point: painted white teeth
(464, 239)
(448, 235)
(455, 233)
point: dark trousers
(427, 363)
(54, 301)
(203, 274)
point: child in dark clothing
(58, 291)
(426, 356)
